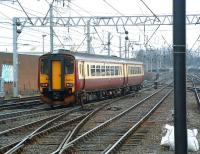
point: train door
(125, 74)
(56, 75)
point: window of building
(7, 72)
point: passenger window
(117, 70)
(88, 70)
(44, 66)
(120, 70)
(112, 70)
(103, 73)
(98, 70)
(69, 67)
(107, 70)
(129, 70)
(92, 70)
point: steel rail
(196, 93)
(28, 137)
(31, 115)
(118, 143)
(19, 104)
(17, 145)
(74, 132)
(71, 136)
(18, 113)
(7, 147)
(21, 99)
(52, 119)
(6, 132)
(106, 123)
(34, 135)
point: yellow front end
(57, 84)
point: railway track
(21, 103)
(99, 138)
(14, 114)
(15, 100)
(196, 93)
(15, 135)
(24, 135)
(12, 122)
(35, 128)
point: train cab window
(103, 71)
(69, 67)
(92, 70)
(98, 70)
(44, 66)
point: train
(66, 77)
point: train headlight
(44, 84)
(69, 84)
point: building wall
(28, 73)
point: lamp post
(43, 36)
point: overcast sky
(31, 39)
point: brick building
(28, 73)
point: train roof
(93, 57)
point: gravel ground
(151, 143)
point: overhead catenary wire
(194, 43)
(24, 12)
(82, 9)
(17, 9)
(155, 17)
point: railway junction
(103, 83)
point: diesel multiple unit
(66, 77)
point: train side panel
(135, 74)
(103, 76)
